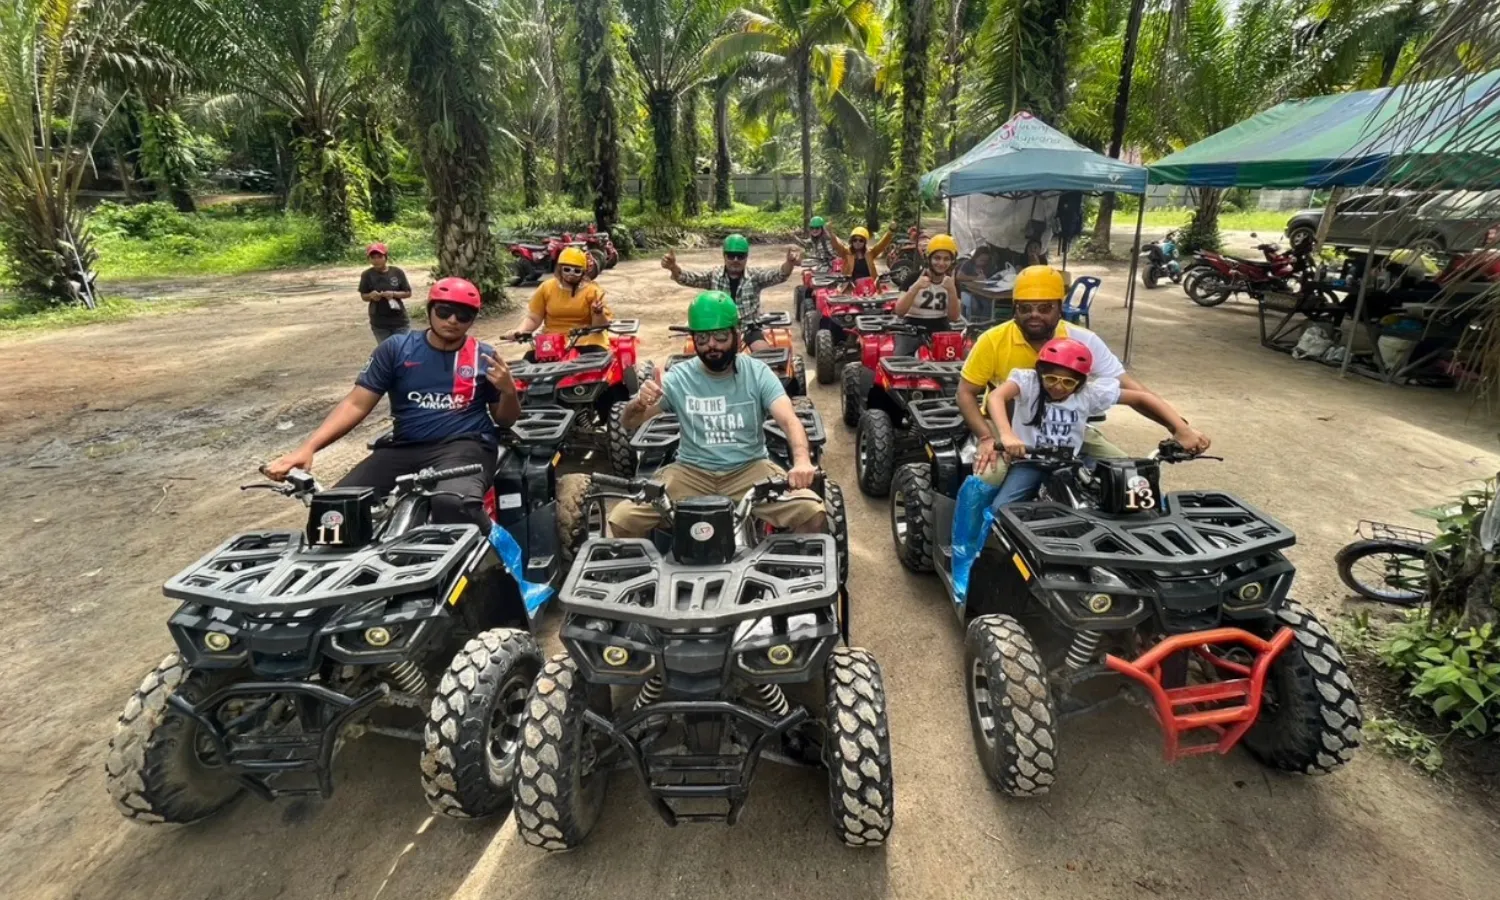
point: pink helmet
(1067, 353)
(454, 290)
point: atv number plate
(1139, 495)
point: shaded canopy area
(1027, 154)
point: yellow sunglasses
(1062, 382)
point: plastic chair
(1080, 297)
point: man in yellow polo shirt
(568, 301)
(1038, 297)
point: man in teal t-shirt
(722, 400)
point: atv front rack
(912, 367)
(1226, 708)
(540, 426)
(556, 370)
(939, 415)
(673, 777)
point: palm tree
(599, 125)
(1121, 115)
(444, 55)
(723, 196)
(1024, 46)
(906, 206)
(964, 20)
(791, 42)
(61, 63)
(692, 204)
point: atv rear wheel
(601, 260)
(851, 395)
(828, 358)
(875, 452)
(558, 791)
(474, 724)
(1010, 706)
(1148, 276)
(812, 323)
(577, 518)
(799, 294)
(838, 526)
(1310, 718)
(621, 456)
(798, 386)
(525, 271)
(160, 767)
(860, 797)
(912, 525)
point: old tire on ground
(838, 526)
(556, 801)
(851, 393)
(1402, 566)
(1010, 706)
(812, 323)
(473, 731)
(1310, 718)
(875, 452)
(159, 768)
(617, 438)
(912, 525)
(860, 798)
(828, 358)
(577, 519)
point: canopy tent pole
(1135, 258)
(1359, 311)
(950, 215)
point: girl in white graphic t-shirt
(1053, 403)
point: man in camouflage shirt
(738, 281)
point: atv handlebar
(298, 483)
(643, 490)
(1168, 451)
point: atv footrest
(256, 759)
(672, 778)
(1225, 708)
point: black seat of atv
(539, 426)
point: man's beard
(719, 360)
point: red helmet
(1067, 353)
(454, 290)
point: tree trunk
(322, 169)
(836, 164)
(596, 92)
(564, 120)
(1122, 113)
(953, 54)
(376, 156)
(164, 154)
(1203, 231)
(723, 195)
(531, 185)
(872, 195)
(692, 204)
(661, 112)
(804, 113)
(905, 202)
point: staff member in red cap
(447, 390)
(383, 287)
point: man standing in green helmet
(736, 279)
(722, 400)
(818, 244)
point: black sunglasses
(735, 255)
(720, 336)
(464, 314)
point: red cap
(376, 247)
(454, 290)
(1067, 353)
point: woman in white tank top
(931, 303)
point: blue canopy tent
(1026, 156)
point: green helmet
(713, 310)
(817, 222)
(736, 243)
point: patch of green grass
(16, 317)
(1268, 222)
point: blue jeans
(1021, 485)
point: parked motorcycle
(1220, 276)
(1161, 261)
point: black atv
(290, 642)
(1183, 596)
(708, 627)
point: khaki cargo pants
(1095, 446)
(636, 520)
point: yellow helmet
(942, 242)
(1037, 283)
(572, 256)
(860, 232)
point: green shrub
(142, 221)
(1453, 672)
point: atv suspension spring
(1081, 653)
(769, 698)
(405, 677)
(650, 692)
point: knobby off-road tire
(1310, 718)
(838, 526)
(828, 358)
(812, 323)
(473, 730)
(799, 295)
(912, 524)
(851, 393)
(556, 805)
(1010, 706)
(875, 452)
(155, 770)
(573, 511)
(617, 437)
(860, 796)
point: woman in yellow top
(859, 257)
(568, 301)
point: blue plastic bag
(971, 525)
(533, 595)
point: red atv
(816, 275)
(906, 258)
(535, 260)
(877, 391)
(1214, 277)
(828, 325)
(594, 384)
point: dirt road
(122, 447)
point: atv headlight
(217, 641)
(773, 648)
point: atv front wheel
(161, 767)
(1310, 718)
(860, 797)
(850, 394)
(838, 526)
(474, 724)
(621, 455)
(577, 518)
(525, 272)
(559, 793)
(1010, 706)
(799, 294)
(912, 517)
(812, 323)
(828, 358)
(875, 452)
